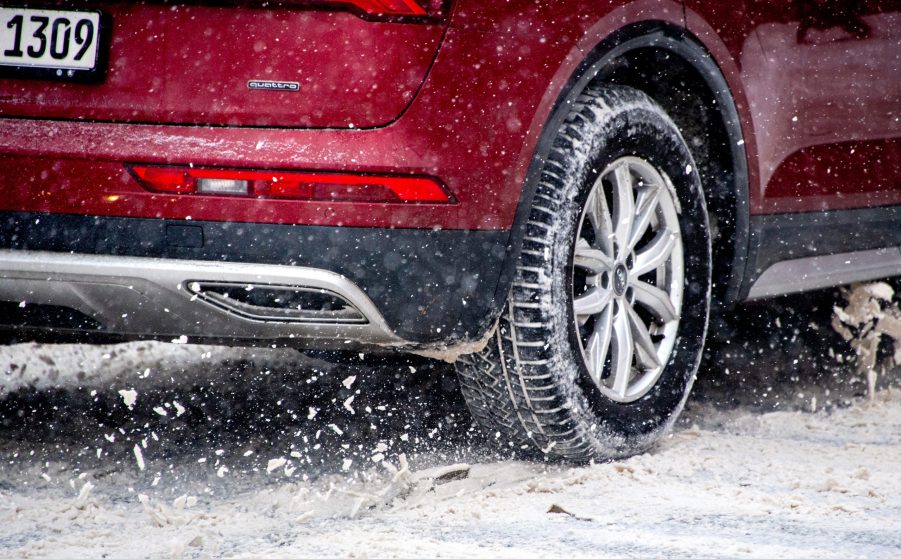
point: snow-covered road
(157, 450)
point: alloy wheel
(628, 275)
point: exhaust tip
(277, 303)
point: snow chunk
(139, 457)
(880, 290)
(349, 381)
(347, 406)
(184, 502)
(129, 397)
(275, 464)
(84, 492)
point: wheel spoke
(646, 205)
(599, 216)
(599, 343)
(655, 300)
(591, 259)
(655, 253)
(625, 204)
(592, 302)
(644, 346)
(622, 352)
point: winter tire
(597, 348)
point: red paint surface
(473, 124)
(191, 64)
(823, 92)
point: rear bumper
(140, 278)
(153, 297)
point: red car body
(794, 108)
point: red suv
(551, 193)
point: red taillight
(333, 187)
(378, 7)
(387, 7)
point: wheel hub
(620, 279)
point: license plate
(63, 44)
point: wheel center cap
(620, 279)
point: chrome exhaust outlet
(282, 303)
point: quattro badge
(268, 85)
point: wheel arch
(672, 67)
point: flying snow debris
(129, 397)
(139, 457)
(349, 381)
(275, 464)
(184, 502)
(347, 405)
(221, 471)
(159, 410)
(347, 464)
(312, 413)
(179, 409)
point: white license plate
(59, 41)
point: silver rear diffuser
(163, 297)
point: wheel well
(689, 99)
(675, 70)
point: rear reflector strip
(387, 7)
(378, 7)
(332, 187)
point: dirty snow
(262, 455)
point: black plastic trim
(430, 286)
(780, 237)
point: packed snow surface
(159, 450)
